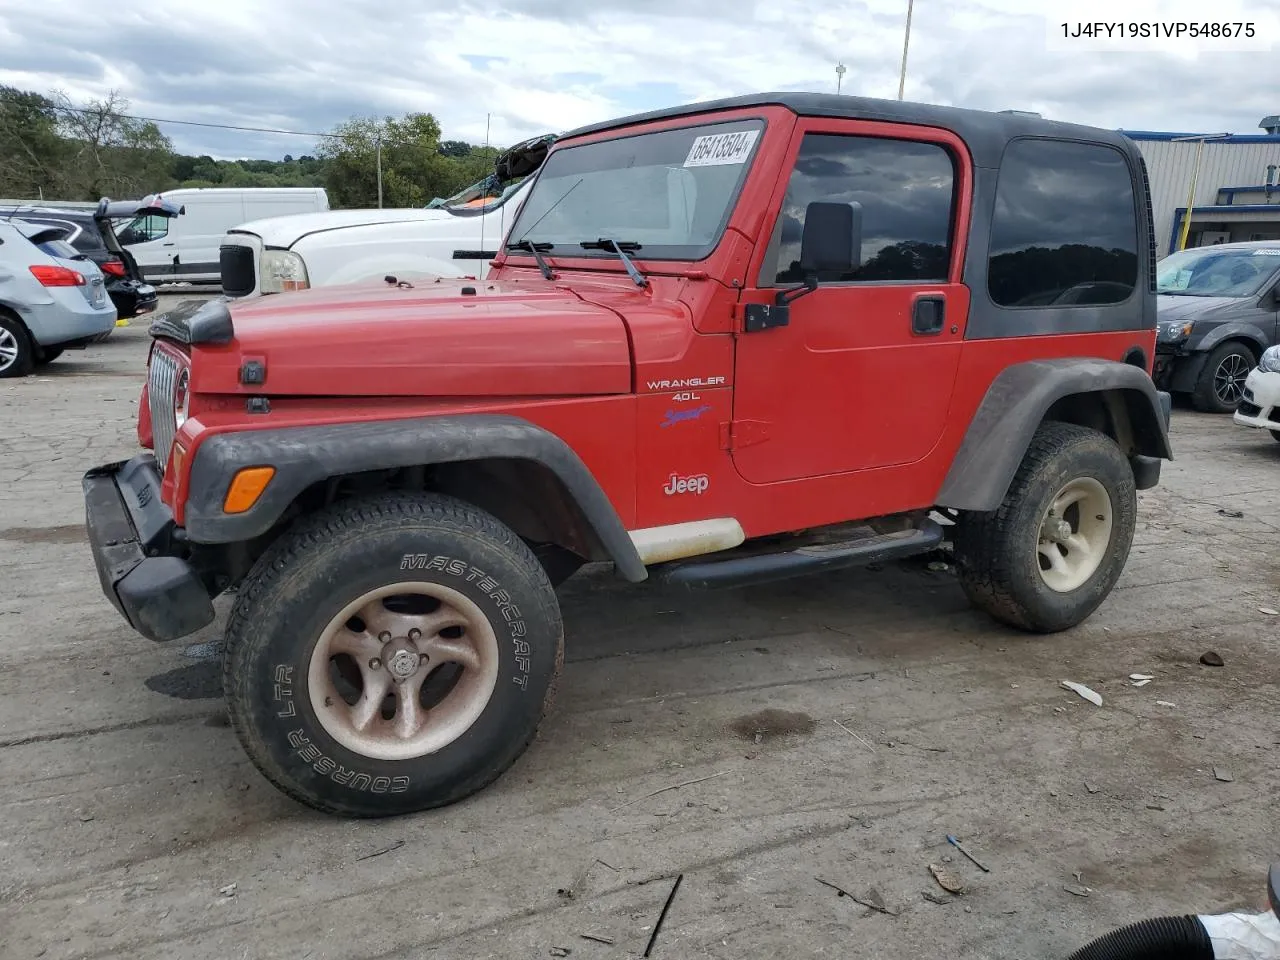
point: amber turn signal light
(246, 487)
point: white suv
(448, 238)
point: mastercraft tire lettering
(391, 654)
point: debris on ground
(1165, 703)
(1091, 695)
(862, 740)
(937, 566)
(976, 862)
(86, 817)
(1233, 514)
(560, 951)
(936, 898)
(594, 939)
(229, 890)
(1269, 611)
(872, 899)
(377, 853)
(1076, 890)
(1090, 787)
(674, 786)
(1223, 774)
(653, 937)
(947, 880)
(1211, 658)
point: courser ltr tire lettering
(997, 554)
(311, 573)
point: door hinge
(743, 433)
(754, 317)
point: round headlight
(1270, 361)
(181, 398)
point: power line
(213, 126)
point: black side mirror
(831, 243)
(832, 239)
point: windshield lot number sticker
(721, 149)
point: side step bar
(765, 568)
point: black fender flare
(1233, 331)
(303, 456)
(1015, 405)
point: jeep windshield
(670, 191)
(1217, 272)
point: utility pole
(1195, 176)
(840, 71)
(906, 40)
(377, 149)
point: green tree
(413, 168)
(31, 152)
(111, 154)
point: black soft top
(986, 133)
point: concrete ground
(133, 825)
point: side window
(144, 228)
(1064, 231)
(906, 190)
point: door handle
(169, 244)
(928, 315)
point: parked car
(186, 249)
(1218, 309)
(688, 360)
(454, 237)
(52, 298)
(90, 228)
(1260, 406)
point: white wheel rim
(8, 349)
(397, 655)
(1074, 535)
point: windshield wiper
(536, 249)
(620, 247)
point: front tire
(1220, 386)
(391, 654)
(1054, 549)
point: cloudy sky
(549, 65)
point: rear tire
(1041, 572)
(1220, 386)
(17, 350)
(48, 355)
(341, 706)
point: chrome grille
(162, 378)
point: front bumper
(136, 549)
(1261, 404)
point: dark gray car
(1218, 309)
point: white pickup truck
(448, 238)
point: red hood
(510, 338)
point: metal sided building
(1237, 195)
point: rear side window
(60, 249)
(906, 190)
(1064, 231)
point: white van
(185, 248)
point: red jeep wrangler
(724, 344)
